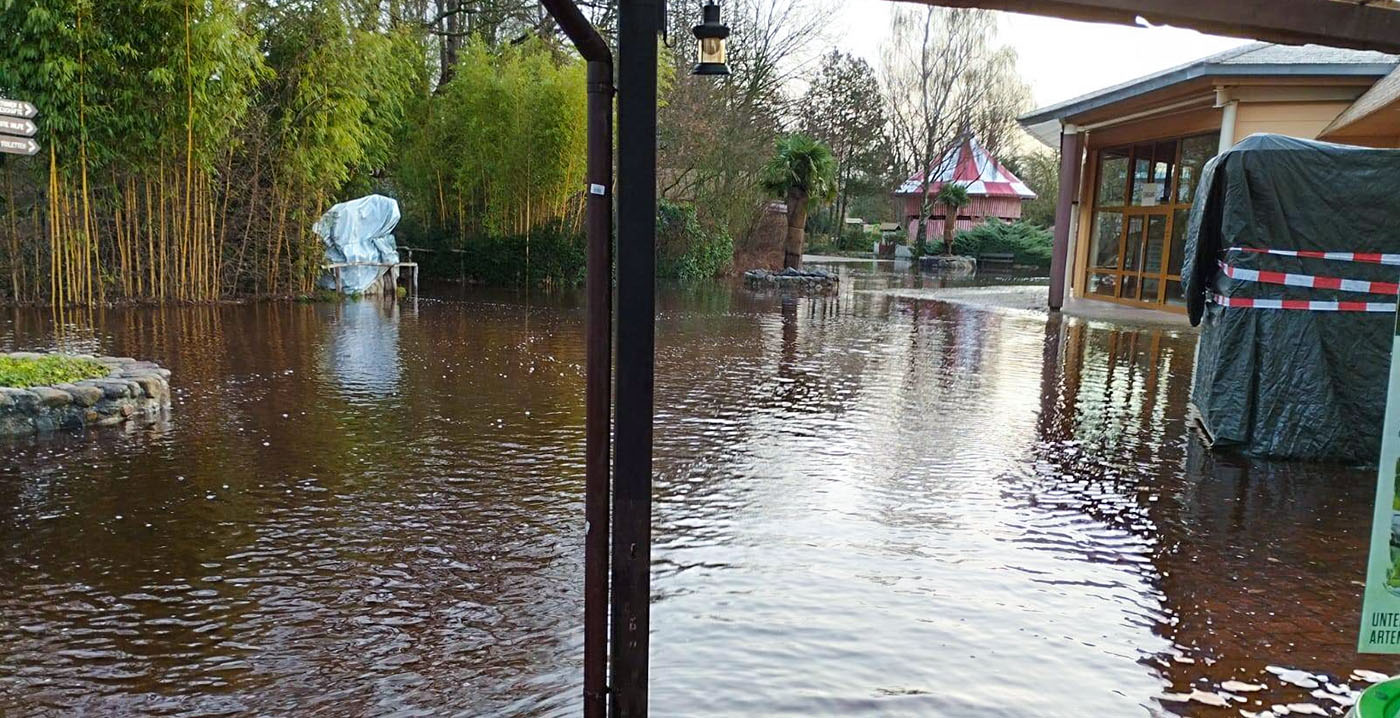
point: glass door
(1142, 196)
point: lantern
(711, 34)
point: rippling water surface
(863, 506)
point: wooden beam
(1293, 22)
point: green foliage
(844, 108)
(685, 248)
(47, 370)
(850, 240)
(550, 255)
(1029, 243)
(115, 75)
(1040, 170)
(502, 147)
(953, 197)
(804, 164)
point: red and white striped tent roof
(970, 165)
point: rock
(111, 388)
(153, 387)
(82, 395)
(790, 278)
(131, 388)
(49, 396)
(19, 400)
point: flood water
(864, 505)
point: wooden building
(1140, 147)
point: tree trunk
(797, 222)
(950, 219)
(451, 28)
(925, 209)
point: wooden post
(638, 27)
(1070, 149)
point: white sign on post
(18, 146)
(17, 126)
(18, 108)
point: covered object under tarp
(358, 233)
(1292, 360)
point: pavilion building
(992, 189)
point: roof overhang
(1204, 75)
(1357, 24)
(1376, 113)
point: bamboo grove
(189, 145)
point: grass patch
(49, 369)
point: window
(1142, 202)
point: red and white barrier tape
(1365, 257)
(1303, 304)
(1311, 281)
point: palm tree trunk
(797, 221)
(921, 234)
(950, 219)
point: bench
(392, 267)
(999, 262)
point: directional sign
(17, 126)
(18, 145)
(16, 108)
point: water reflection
(362, 353)
(864, 505)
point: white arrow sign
(17, 126)
(18, 145)
(16, 108)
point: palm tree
(953, 197)
(802, 169)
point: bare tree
(715, 135)
(942, 79)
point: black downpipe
(639, 23)
(598, 342)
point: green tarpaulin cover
(1293, 383)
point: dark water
(864, 506)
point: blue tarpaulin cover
(359, 231)
(1292, 383)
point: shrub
(552, 254)
(685, 248)
(49, 369)
(855, 240)
(1030, 244)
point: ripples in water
(863, 505)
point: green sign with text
(1380, 611)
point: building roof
(969, 164)
(1257, 59)
(1375, 112)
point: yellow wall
(1297, 119)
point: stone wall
(131, 390)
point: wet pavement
(865, 504)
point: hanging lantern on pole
(711, 34)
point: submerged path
(865, 505)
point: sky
(1060, 59)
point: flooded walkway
(865, 505)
